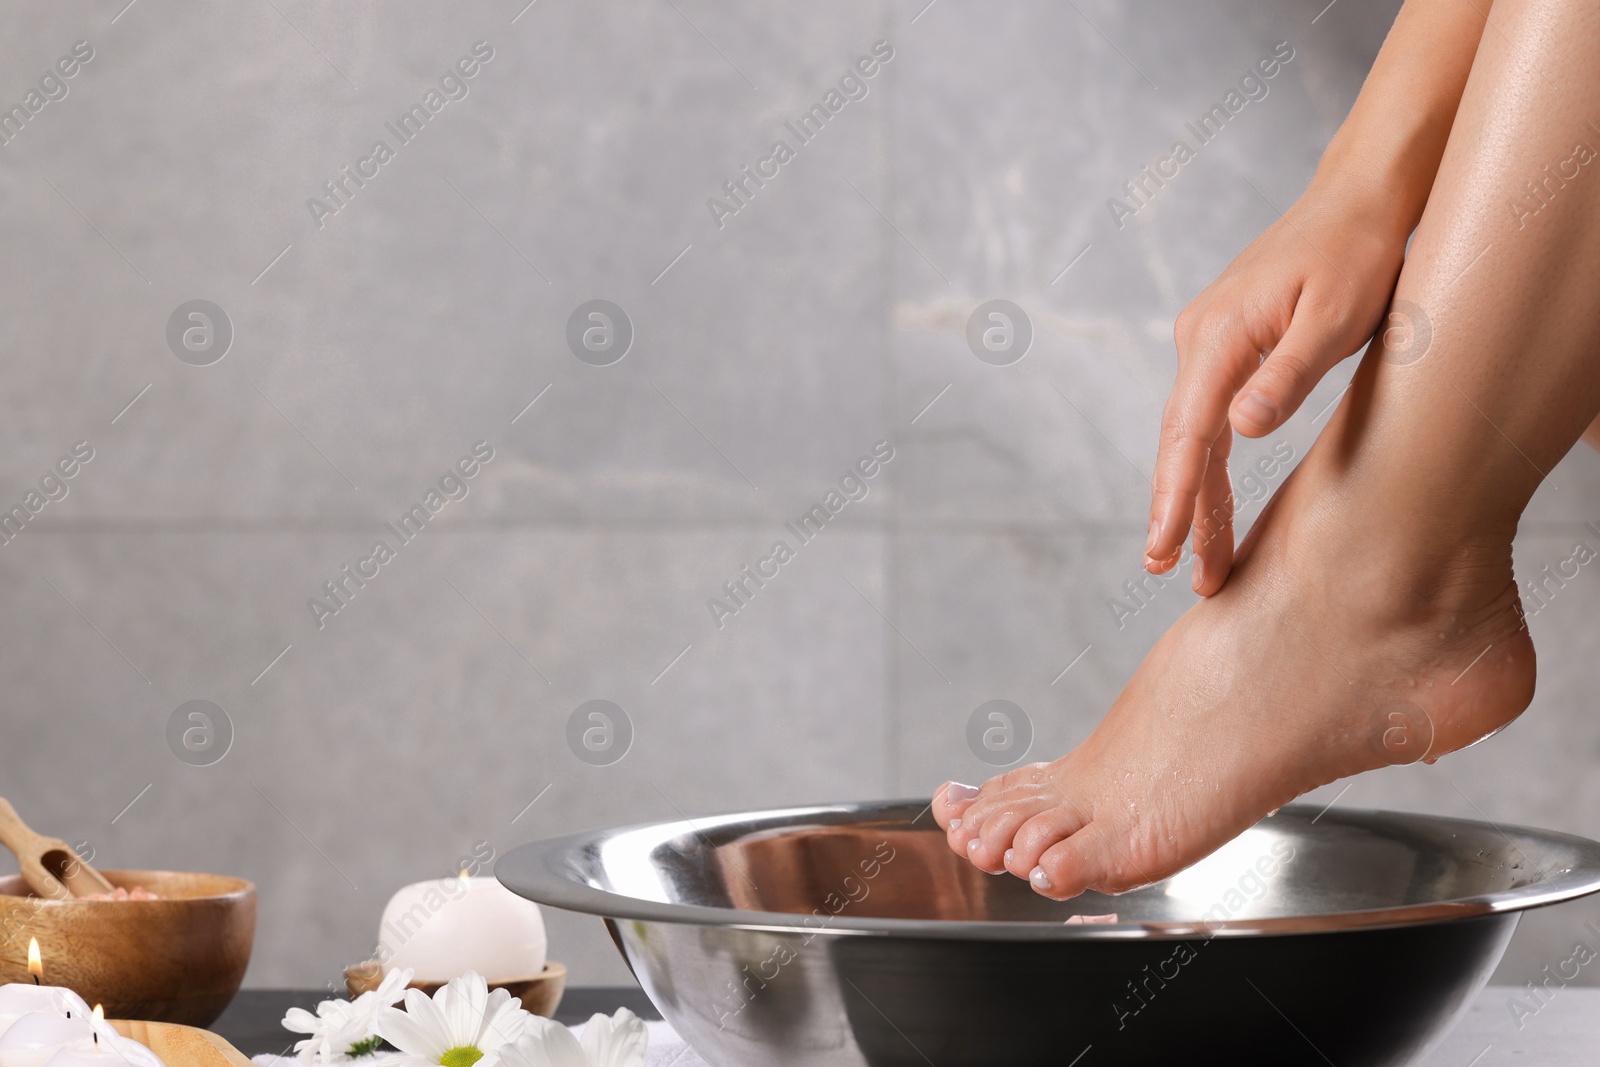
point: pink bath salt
(138, 892)
(1092, 920)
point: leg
(1378, 582)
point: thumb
(1309, 349)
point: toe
(988, 849)
(1085, 860)
(951, 800)
(1038, 834)
(997, 795)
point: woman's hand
(1312, 289)
(1304, 295)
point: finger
(1213, 521)
(1314, 342)
(1219, 358)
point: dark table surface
(1563, 1035)
(253, 1023)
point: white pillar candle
(113, 1051)
(18, 999)
(129, 1052)
(444, 928)
(102, 1046)
(38, 1035)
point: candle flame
(35, 964)
(99, 1013)
(464, 879)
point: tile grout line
(892, 709)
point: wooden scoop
(48, 864)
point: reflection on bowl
(851, 935)
(178, 959)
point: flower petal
(516, 1055)
(418, 1002)
(312, 1050)
(415, 1031)
(430, 1012)
(620, 1040)
(546, 1044)
(300, 1021)
(461, 1004)
(393, 986)
(504, 1021)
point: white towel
(667, 1049)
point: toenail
(1039, 879)
(1258, 409)
(955, 792)
(1009, 853)
(973, 845)
(1199, 577)
(955, 824)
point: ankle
(1395, 566)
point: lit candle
(17, 999)
(103, 1047)
(445, 928)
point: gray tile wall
(828, 314)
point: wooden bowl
(540, 995)
(179, 959)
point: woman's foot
(1329, 652)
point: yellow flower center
(460, 1056)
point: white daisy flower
(343, 1029)
(462, 1025)
(546, 1044)
(618, 1040)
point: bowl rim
(242, 889)
(546, 872)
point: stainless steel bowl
(850, 934)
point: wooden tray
(182, 1046)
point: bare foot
(1326, 654)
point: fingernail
(1199, 573)
(972, 846)
(955, 824)
(1150, 541)
(1009, 853)
(1258, 409)
(955, 792)
(1039, 879)
(1162, 566)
